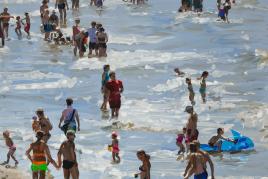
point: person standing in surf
(62, 5)
(69, 163)
(92, 33)
(45, 124)
(114, 89)
(76, 31)
(12, 148)
(115, 148)
(102, 39)
(41, 156)
(203, 85)
(105, 79)
(145, 168)
(191, 126)
(18, 27)
(70, 118)
(5, 16)
(27, 24)
(2, 36)
(191, 90)
(196, 164)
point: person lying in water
(217, 140)
(178, 72)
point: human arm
(121, 88)
(77, 120)
(56, 4)
(227, 139)
(106, 38)
(59, 156)
(66, 2)
(28, 153)
(61, 120)
(47, 151)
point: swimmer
(114, 89)
(105, 79)
(54, 19)
(43, 7)
(5, 18)
(115, 148)
(12, 148)
(18, 27)
(76, 31)
(27, 24)
(178, 72)
(145, 168)
(69, 163)
(203, 85)
(191, 90)
(62, 5)
(179, 141)
(41, 156)
(216, 141)
(47, 25)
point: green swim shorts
(41, 167)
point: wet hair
(39, 135)
(205, 73)
(193, 148)
(219, 130)
(69, 101)
(93, 23)
(40, 112)
(188, 79)
(101, 29)
(111, 73)
(142, 152)
(106, 66)
(26, 13)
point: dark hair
(205, 73)
(142, 152)
(101, 29)
(193, 148)
(184, 129)
(219, 130)
(69, 101)
(93, 23)
(111, 73)
(106, 66)
(39, 135)
(188, 79)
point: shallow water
(145, 44)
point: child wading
(12, 148)
(179, 141)
(18, 27)
(203, 85)
(115, 148)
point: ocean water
(145, 44)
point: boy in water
(69, 163)
(27, 24)
(12, 148)
(191, 90)
(115, 148)
(41, 155)
(217, 140)
(179, 141)
(18, 27)
(178, 72)
(203, 85)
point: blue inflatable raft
(243, 144)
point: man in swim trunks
(27, 24)
(69, 116)
(62, 5)
(41, 156)
(5, 21)
(45, 124)
(216, 141)
(196, 164)
(206, 157)
(69, 163)
(191, 125)
(114, 89)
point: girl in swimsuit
(203, 85)
(179, 141)
(145, 168)
(191, 90)
(105, 79)
(12, 148)
(115, 148)
(76, 30)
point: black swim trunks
(92, 45)
(61, 6)
(68, 164)
(102, 45)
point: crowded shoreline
(192, 98)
